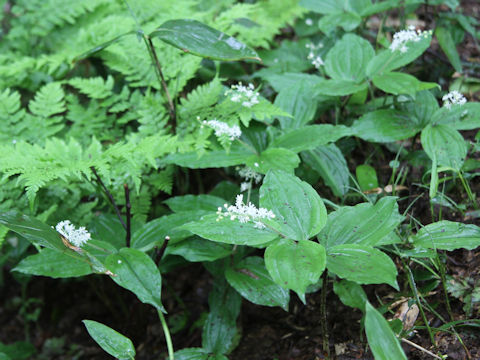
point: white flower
(244, 186)
(401, 38)
(249, 174)
(77, 237)
(221, 128)
(245, 213)
(453, 98)
(316, 60)
(308, 22)
(243, 94)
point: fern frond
(48, 101)
(95, 88)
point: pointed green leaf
(199, 39)
(229, 231)
(385, 126)
(252, 280)
(194, 202)
(447, 235)
(220, 331)
(387, 60)
(361, 264)
(337, 87)
(197, 354)
(237, 155)
(136, 271)
(274, 159)
(363, 224)
(366, 177)
(299, 210)
(295, 265)
(400, 83)
(310, 137)
(196, 249)
(296, 101)
(350, 293)
(54, 264)
(348, 59)
(444, 144)
(446, 42)
(110, 340)
(329, 162)
(381, 339)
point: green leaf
(366, 177)
(387, 60)
(444, 144)
(381, 339)
(199, 39)
(363, 224)
(400, 83)
(34, 231)
(310, 137)
(110, 340)
(102, 46)
(136, 271)
(361, 264)
(196, 249)
(329, 162)
(154, 232)
(274, 159)
(447, 235)
(465, 117)
(197, 354)
(295, 265)
(296, 101)
(348, 59)
(53, 264)
(324, 7)
(211, 159)
(346, 20)
(350, 293)
(385, 126)
(229, 231)
(422, 108)
(446, 42)
(20, 350)
(337, 87)
(107, 227)
(252, 280)
(299, 210)
(194, 202)
(219, 334)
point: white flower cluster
(245, 213)
(249, 175)
(243, 94)
(453, 98)
(316, 60)
(308, 22)
(221, 128)
(401, 38)
(77, 237)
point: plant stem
(163, 83)
(129, 208)
(166, 332)
(159, 253)
(323, 310)
(421, 349)
(411, 281)
(109, 195)
(468, 190)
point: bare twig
(129, 208)
(159, 252)
(109, 195)
(422, 349)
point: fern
(95, 88)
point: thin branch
(109, 195)
(129, 215)
(422, 349)
(159, 252)
(158, 66)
